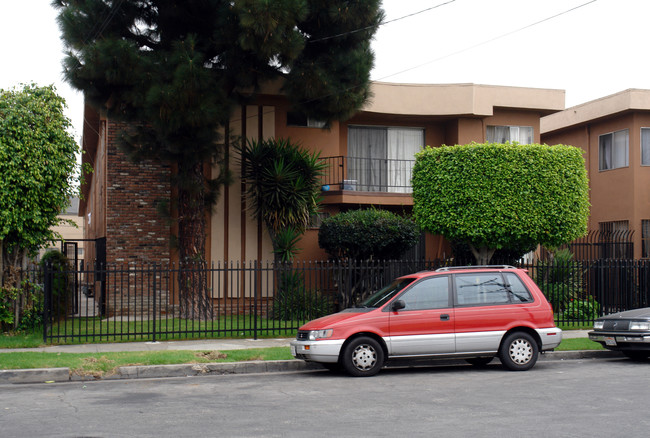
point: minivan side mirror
(397, 305)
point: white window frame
(310, 122)
(513, 131)
(645, 157)
(607, 160)
(395, 177)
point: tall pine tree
(178, 69)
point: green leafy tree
(179, 68)
(494, 196)
(38, 168)
(367, 234)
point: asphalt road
(572, 398)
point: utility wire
(486, 41)
(374, 26)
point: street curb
(51, 375)
(35, 375)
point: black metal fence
(600, 245)
(251, 300)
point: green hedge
(502, 195)
(365, 234)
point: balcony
(382, 181)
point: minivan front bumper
(326, 351)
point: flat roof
(632, 99)
(459, 99)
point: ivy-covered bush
(493, 196)
(62, 284)
(366, 234)
(21, 308)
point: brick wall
(135, 232)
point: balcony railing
(368, 174)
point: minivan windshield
(384, 295)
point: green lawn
(124, 329)
(100, 364)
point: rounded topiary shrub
(367, 234)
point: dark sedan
(627, 332)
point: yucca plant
(283, 182)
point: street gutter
(52, 375)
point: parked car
(627, 332)
(472, 313)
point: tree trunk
(483, 254)
(195, 299)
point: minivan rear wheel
(363, 357)
(519, 351)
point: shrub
(496, 196)
(367, 234)
(62, 284)
(560, 279)
(293, 302)
(587, 309)
(25, 303)
(7, 300)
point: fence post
(47, 296)
(258, 272)
(155, 292)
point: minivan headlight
(598, 325)
(319, 334)
(634, 325)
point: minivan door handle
(444, 317)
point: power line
(487, 41)
(374, 26)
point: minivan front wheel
(519, 351)
(363, 357)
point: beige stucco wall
(617, 194)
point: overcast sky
(590, 52)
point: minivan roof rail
(452, 268)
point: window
(645, 146)
(504, 134)
(481, 289)
(380, 159)
(615, 240)
(517, 290)
(613, 150)
(645, 239)
(431, 293)
(299, 119)
(316, 219)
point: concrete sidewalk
(51, 375)
(194, 345)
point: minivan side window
(518, 292)
(481, 289)
(430, 293)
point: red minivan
(469, 312)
